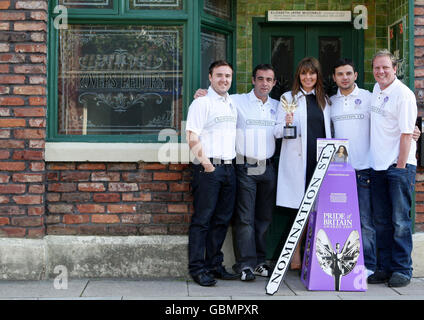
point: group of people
(233, 141)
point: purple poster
(333, 258)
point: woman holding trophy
(303, 116)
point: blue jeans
(365, 213)
(391, 193)
(214, 197)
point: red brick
(106, 197)
(62, 187)
(4, 26)
(4, 134)
(75, 176)
(27, 177)
(105, 176)
(37, 101)
(29, 90)
(11, 101)
(167, 218)
(30, 69)
(8, 123)
(177, 167)
(31, 5)
(12, 166)
(4, 4)
(36, 188)
(123, 187)
(3, 89)
(90, 208)
(137, 176)
(121, 208)
(4, 178)
(91, 187)
(177, 208)
(61, 166)
(12, 210)
(75, 219)
(27, 221)
(29, 112)
(60, 208)
(4, 199)
(167, 176)
(36, 211)
(27, 199)
(91, 166)
(4, 68)
(37, 166)
(39, 15)
(157, 186)
(4, 154)
(121, 166)
(179, 187)
(30, 26)
(12, 58)
(136, 197)
(104, 218)
(28, 155)
(37, 123)
(4, 221)
(12, 15)
(37, 233)
(12, 79)
(153, 166)
(12, 144)
(30, 134)
(135, 218)
(13, 232)
(12, 188)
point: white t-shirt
(255, 125)
(213, 118)
(393, 112)
(351, 120)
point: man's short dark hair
(263, 66)
(343, 62)
(219, 63)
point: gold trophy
(289, 132)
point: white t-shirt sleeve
(197, 116)
(407, 111)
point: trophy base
(289, 132)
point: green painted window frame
(191, 18)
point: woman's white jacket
(292, 163)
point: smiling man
(211, 133)
(393, 116)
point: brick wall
(23, 50)
(118, 198)
(419, 90)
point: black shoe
(398, 280)
(221, 273)
(378, 277)
(204, 279)
(247, 275)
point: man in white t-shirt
(393, 116)
(256, 175)
(211, 133)
(350, 115)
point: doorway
(284, 45)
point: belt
(220, 162)
(253, 161)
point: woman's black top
(315, 129)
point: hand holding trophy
(289, 131)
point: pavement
(183, 289)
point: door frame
(357, 42)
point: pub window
(121, 70)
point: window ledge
(117, 152)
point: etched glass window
(282, 47)
(87, 4)
(213, 47)
(119, 80)
(218, 8)
(155, 4)
(330, 49)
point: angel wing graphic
(337, 263)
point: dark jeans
(255, 203)
(214, 197)
(391, 193)
(363, 183)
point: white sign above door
(309, 16)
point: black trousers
(214, 197)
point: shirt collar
(307, 93)
(355, 92)
(390, 88)
(212, 93)
(254, 98)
